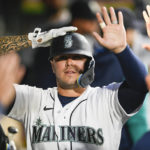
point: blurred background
(22, 16)
(18, 17)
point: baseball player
(74, 115)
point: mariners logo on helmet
(68, 41)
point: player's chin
(69, 84)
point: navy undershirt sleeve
(132, 92)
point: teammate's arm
(14, 43)
(10, 72)
(132, 92)
(34, 39)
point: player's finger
(69, 29)
(100, 21)
(106, 16)
(60, 34)
(113, 15)
(120, 18)
(98, 38)
(148, 9)
(148, 28)
(145, 16)
(99, 18)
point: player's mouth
(69, 72)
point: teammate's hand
(43, 39)
(146, 16)
(148, 81)
(10, 72)
(146, 46)
(114, 35)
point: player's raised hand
(146, 15)
(43, 39)
(10, 72)
(114, 35)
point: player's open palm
(114, 35)
(146, 15)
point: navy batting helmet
(75, 43)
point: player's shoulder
(111, 87)
(32, 89)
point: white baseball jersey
(93, 121)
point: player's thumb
(98, 38)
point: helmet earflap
(88, 76)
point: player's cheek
(82, 67)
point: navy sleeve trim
(129, 98)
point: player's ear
(52, 64)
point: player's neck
(75, 92)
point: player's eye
(61, 58)
(73, 57)
(77, 57)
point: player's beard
(65, 85)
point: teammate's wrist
(120, 49)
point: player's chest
(78, 122)
(76, 116)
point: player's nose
(69, 62)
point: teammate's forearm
(134, 70)
(13, 43)
(132, 92)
